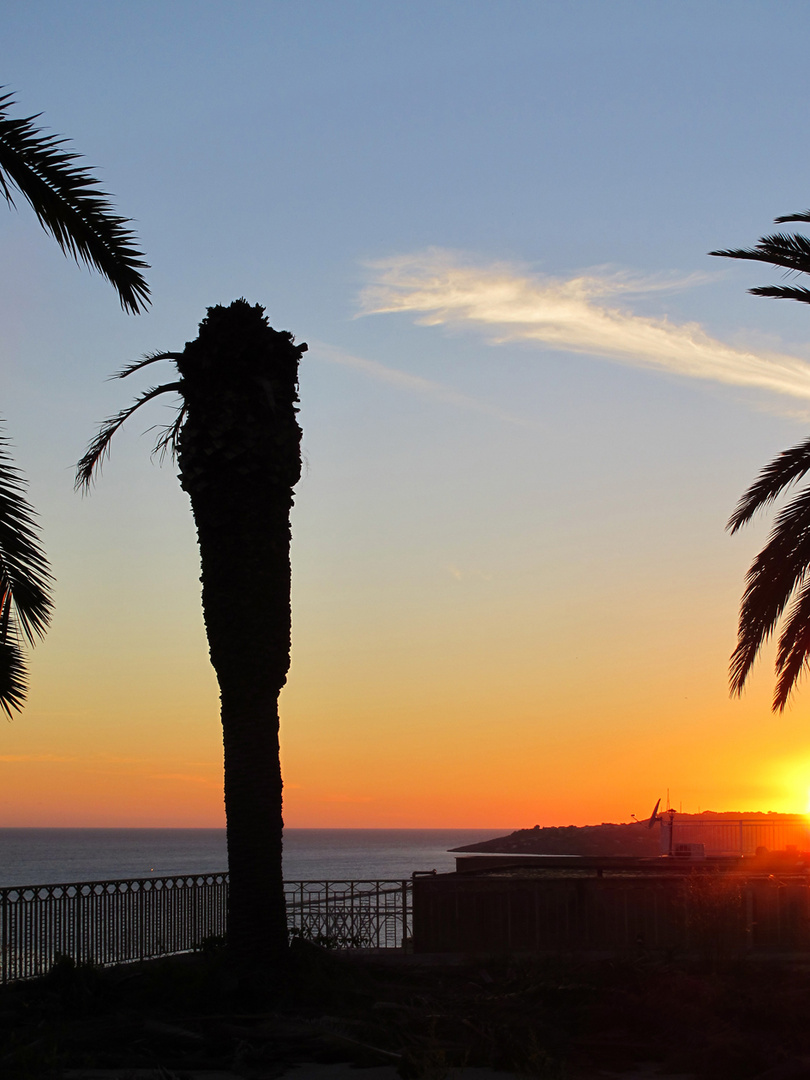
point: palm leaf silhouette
(25, 583)
(70, 205)
(789, 251)
(777, 585)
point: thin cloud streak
(36, 758)
(571, 315)
(185, 778)
(413, 383)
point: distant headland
(634, 838)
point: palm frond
(794, 648)
(167, 442)
(149, 358)
(69, 204)
(780, 574)
(782, 292)
(766, 596)
(25, 583)
(777, 571)
(791, 252)
(785, 469)
(13, 676)
(99, 448)
(25, 578)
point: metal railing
(114, 922)
(350, 914)
(107, 922)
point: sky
(530, 401)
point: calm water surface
(50, 856)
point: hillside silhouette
(634, 838)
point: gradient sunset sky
(530, 400)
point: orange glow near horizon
(529, 404)
(120, 752)
(572, 689)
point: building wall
(709, 912)
(741, 834)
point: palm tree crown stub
(229, 350)
(70, 205)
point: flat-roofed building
(733, 833)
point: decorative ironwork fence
(350, 914)
(113, 922)
(107, 922)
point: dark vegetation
(635, 838)
(559, 1017)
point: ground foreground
(398, 1016)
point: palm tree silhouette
(69, 205)
(778, 580)
(238, 446)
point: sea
(59, 856)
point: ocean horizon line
(287, 828)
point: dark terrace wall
(699, 910)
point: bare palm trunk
(244, 553)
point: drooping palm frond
(778, 475)
(778, 572)
(791, 252)
(25, 582)
(13, 677)
(782, 292)
(149, 358)
(168, 440)
(99, 448)
(778, 579)
(24, 570)
(794, 647)
(69, 204)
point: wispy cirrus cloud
(587, 313)
(413, 383)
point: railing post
(4, 937)
(404, 913)
(353, 921)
